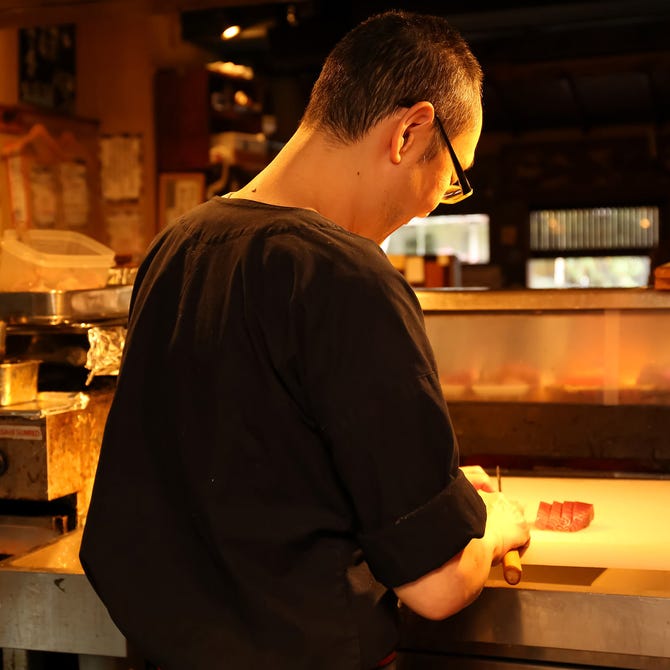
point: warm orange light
(241, 99)
(231, 69)
(230, 32)
(645, 223)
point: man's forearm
(443, 592)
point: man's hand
(478, 478)
(506, 523)
(505, 517)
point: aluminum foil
(105, 350)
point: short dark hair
(394, 60)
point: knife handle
(511, 560)
(511, 564)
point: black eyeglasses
(461, 189)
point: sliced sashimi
(555, 515)
(582, 515)
(565, 521)
(570, 515)
(542, 519)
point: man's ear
(411, 128)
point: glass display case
(564, 378)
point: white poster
(121, 167)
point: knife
(511, 560)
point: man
(278, 466)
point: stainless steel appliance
(51, 415)
(49, 449)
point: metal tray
(65, 307)
(46, 403)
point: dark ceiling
(547, 64)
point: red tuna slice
(570, 515)
(565, 521)
(582, 515)
(555, 515)
(542, 519)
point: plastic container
(53, 260)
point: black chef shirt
(278, 453)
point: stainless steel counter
(591, 616)
(549, 625)
(47, 604)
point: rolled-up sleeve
(418, 542)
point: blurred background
(187, 99)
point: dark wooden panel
(553, 436)
(182, 119)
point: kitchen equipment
(569, 380)
(18, 381)
(50, 435)
(54, 308)
(39, 446)
(48, 454)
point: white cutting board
(630, 529)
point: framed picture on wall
(47, 58)
(178, 192)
